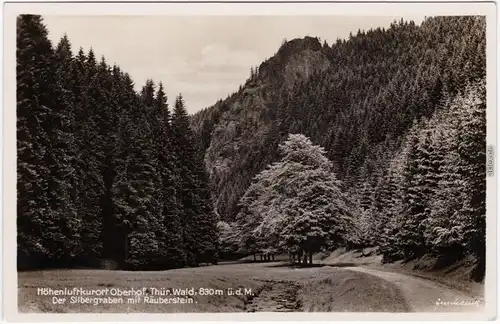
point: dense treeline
(104, 172)
(401, 115)
(432, 196)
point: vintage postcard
(249, 161)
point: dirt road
(424, 295)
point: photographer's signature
(458, 302)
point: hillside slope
(357, 98)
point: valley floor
(271, 287)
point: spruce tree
(444, 233)
(86, 164)
(61, 155)
(413, 201)
(124, 209)
(470, 120)
(34, 59)
(197, 216)
(171, 237)
(184, 152)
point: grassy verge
(348, 291)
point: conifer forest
(375, 140)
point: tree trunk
(261, 257)
(310, 257)
(299, 257)
(480, 269)
(272, 256)
(305, 258)
(121, 248)
(126, 248)
(254, 257)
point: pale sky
(203, 57)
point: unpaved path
(275, 296)
(424, 295)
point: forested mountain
(103, 172)
(400, 113)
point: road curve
(424, 295)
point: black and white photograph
(252, 163)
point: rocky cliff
(246, 119)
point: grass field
(274, 287)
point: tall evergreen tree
(470, 121)
(89, 159)
(61, 155)
(124, 205)
(34, 58)
(199, 224)
(173, 251)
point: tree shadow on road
(315, 265)
(295, 265)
